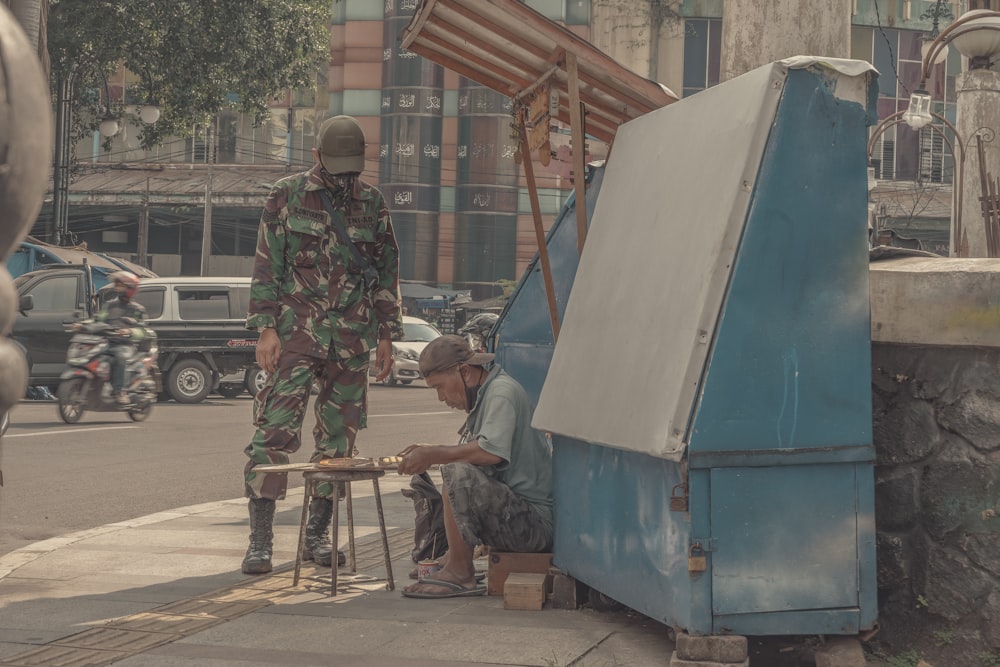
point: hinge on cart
(706, 543)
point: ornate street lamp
(108, 127)
(976, 35)
(149, 113)
(956, 145)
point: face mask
(337, 181)
(341, 186)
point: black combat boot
(258, 558)
(318, 547)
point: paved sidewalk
(166, 589)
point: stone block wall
(936, 420)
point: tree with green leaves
(194, 58)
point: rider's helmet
(126, 278)
(341, 145)
(480, 325)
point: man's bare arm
(418, 458)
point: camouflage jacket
(305, 283)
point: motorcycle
(86, 382)
(477, 330)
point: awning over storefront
(231, 185)
(412, 290)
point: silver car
(416, 334)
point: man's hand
(75, 326)
(268, 350)
(416, 459)
(124, 332)
(383, 359)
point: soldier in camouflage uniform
(320, 308)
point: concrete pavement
(166, 589)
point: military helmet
(341, 145)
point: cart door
(785, 544)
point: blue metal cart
(709, 396)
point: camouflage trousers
(341, 411)
(488, 512)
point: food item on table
(344, 462)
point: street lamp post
(958, 148)
(976, 35)
(955, 146)
(108, 127)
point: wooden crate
(525, 591)
(503, 564)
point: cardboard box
(503, 564)
(525, 591)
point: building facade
(440, 146)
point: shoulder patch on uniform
(309, 213)
(269, 216)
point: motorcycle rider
(477, 329)
(127, 316)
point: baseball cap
(449, 351)
(341, 145)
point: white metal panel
(653, 275)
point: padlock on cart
(697, 560)
(679, 499)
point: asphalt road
(60, 478)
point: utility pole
(206, 230)
(143, 244)
(59, 227)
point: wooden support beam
(576, 112)
(536, 214)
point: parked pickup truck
(198, 322)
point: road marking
(415, 414)
(65, 430)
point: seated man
(497, 480)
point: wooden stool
(313, 478)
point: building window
(932, 151)
(702, 54)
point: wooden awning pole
(579, 150)
(536, 214)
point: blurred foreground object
(25, 152)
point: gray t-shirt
(501, 422)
